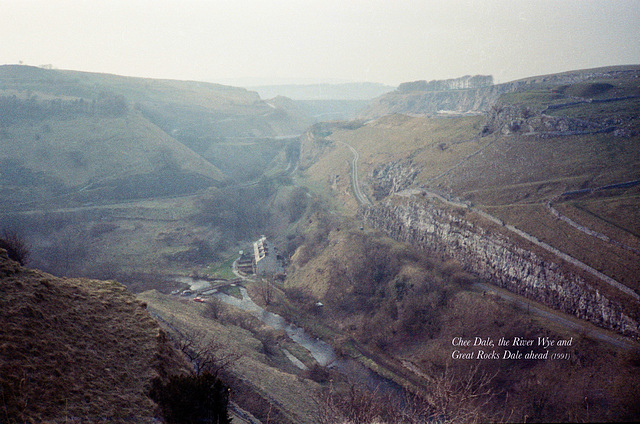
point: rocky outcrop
(497, 258)
(468, 81)
(511, 119)
(390, 178)
(474, 95)
(416, 102)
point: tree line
(15, 109)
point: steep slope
(554, 163)
(74, 137)
(184, 109)
(118, 137)
(77, 350)
(89, 157)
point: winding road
(360, 196)
(555, 317)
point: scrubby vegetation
(15, 246)
(389, 311)
(390, 303)
(75, 349)
(193, 399)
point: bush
(193, 399)
(15, 246)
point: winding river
(321, 351)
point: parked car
(199, 299)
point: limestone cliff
(499, 258)
(472, 94)
(416, 102)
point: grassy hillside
(550, 137)
(473, 95)
(191, 111)
(67, 129)
(264, 381)
(96, 158)
(77, 350)
(430, 145)
(87, 85)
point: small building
(266, 260)
(244, 263)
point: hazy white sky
(388, 41)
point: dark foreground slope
(76, 350)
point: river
(321, 351)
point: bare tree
(461, 397)
(206, 354)
(356, 405)
(265, 290)
(213, 309)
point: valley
(446, 211)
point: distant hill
(227, 111)
(327, 102)
(89, 157)
(469, 94)
(345, 91)
(77, 350)
(84, 137)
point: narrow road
(557, 318)
(360, 196)
(363, 200)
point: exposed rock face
(509, 119)
(473, 94)
(414, 102)
(313, 144)
(393, 177)
(468, 81)
(496, 258)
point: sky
(254, 42)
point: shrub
(193, 399)
(15, 246)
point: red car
(199, 299)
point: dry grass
(434, 145)
(262, 381)
(618, 263)
(150, 237)
(115, 148)
(513, 176)
(76, 349)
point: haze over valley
(284, 239)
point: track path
(556, 317)
(360, 196)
